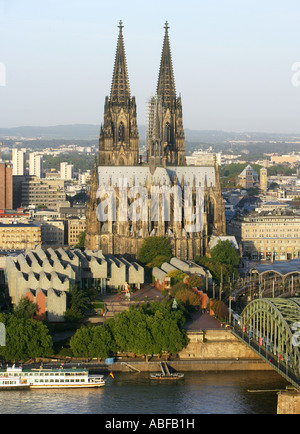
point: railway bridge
(271, 327)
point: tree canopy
(216, 268)
(153, 247)
(25, 338)
(225, 253)
(146, 330)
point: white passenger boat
(18, 378)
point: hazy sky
(232, 60)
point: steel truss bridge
(271, 328)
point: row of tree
(149, 329)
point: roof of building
(214, 241)
(19, 225)
(248, 168)
(108, 175)
(280, 267)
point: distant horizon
(144, 126)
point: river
(126, 393)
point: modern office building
(48, 193)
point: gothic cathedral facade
(120, 164)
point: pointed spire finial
(120, 90)
(166, 83)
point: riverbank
(188, 366)
(132, 365)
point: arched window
(121, 134)
(153, 149)
(168, 133)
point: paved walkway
(116, 303)
(202, 321)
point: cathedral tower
(119, 138)
(166, 141)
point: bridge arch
(274, 324)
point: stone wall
(288, 402)
(216, 344)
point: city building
(66, 171)
(21, 236)
(283, 159)
(52, 233)
(120, 167)
(12, 216)
(263, 180)
(48, 193)
(84, 178)
(35, 165)
(198, 158)
(268, 235)
(75, 227)
(67, 212)
(6, 186)
(248, 178)
(162, 281)
(19, 162)
(45, 276)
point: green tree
(25, 338)
(176, 276)
(81, 239)
(188, 297)
(158, 261)
(194, 281)
(225, 253)
(153, 247)
(216, 268)
(79, 303)
(94, 341)
(220, 309)
(146, 330)
(80, 342)
(25, 308)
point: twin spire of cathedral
(119, 139)
(166, 84)
(120, 89)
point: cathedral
(130, 199)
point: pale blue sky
(232, 60)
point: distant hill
(68, 132)
(91, 132)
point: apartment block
(36, 165)
(66, 171)
(19, 162)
